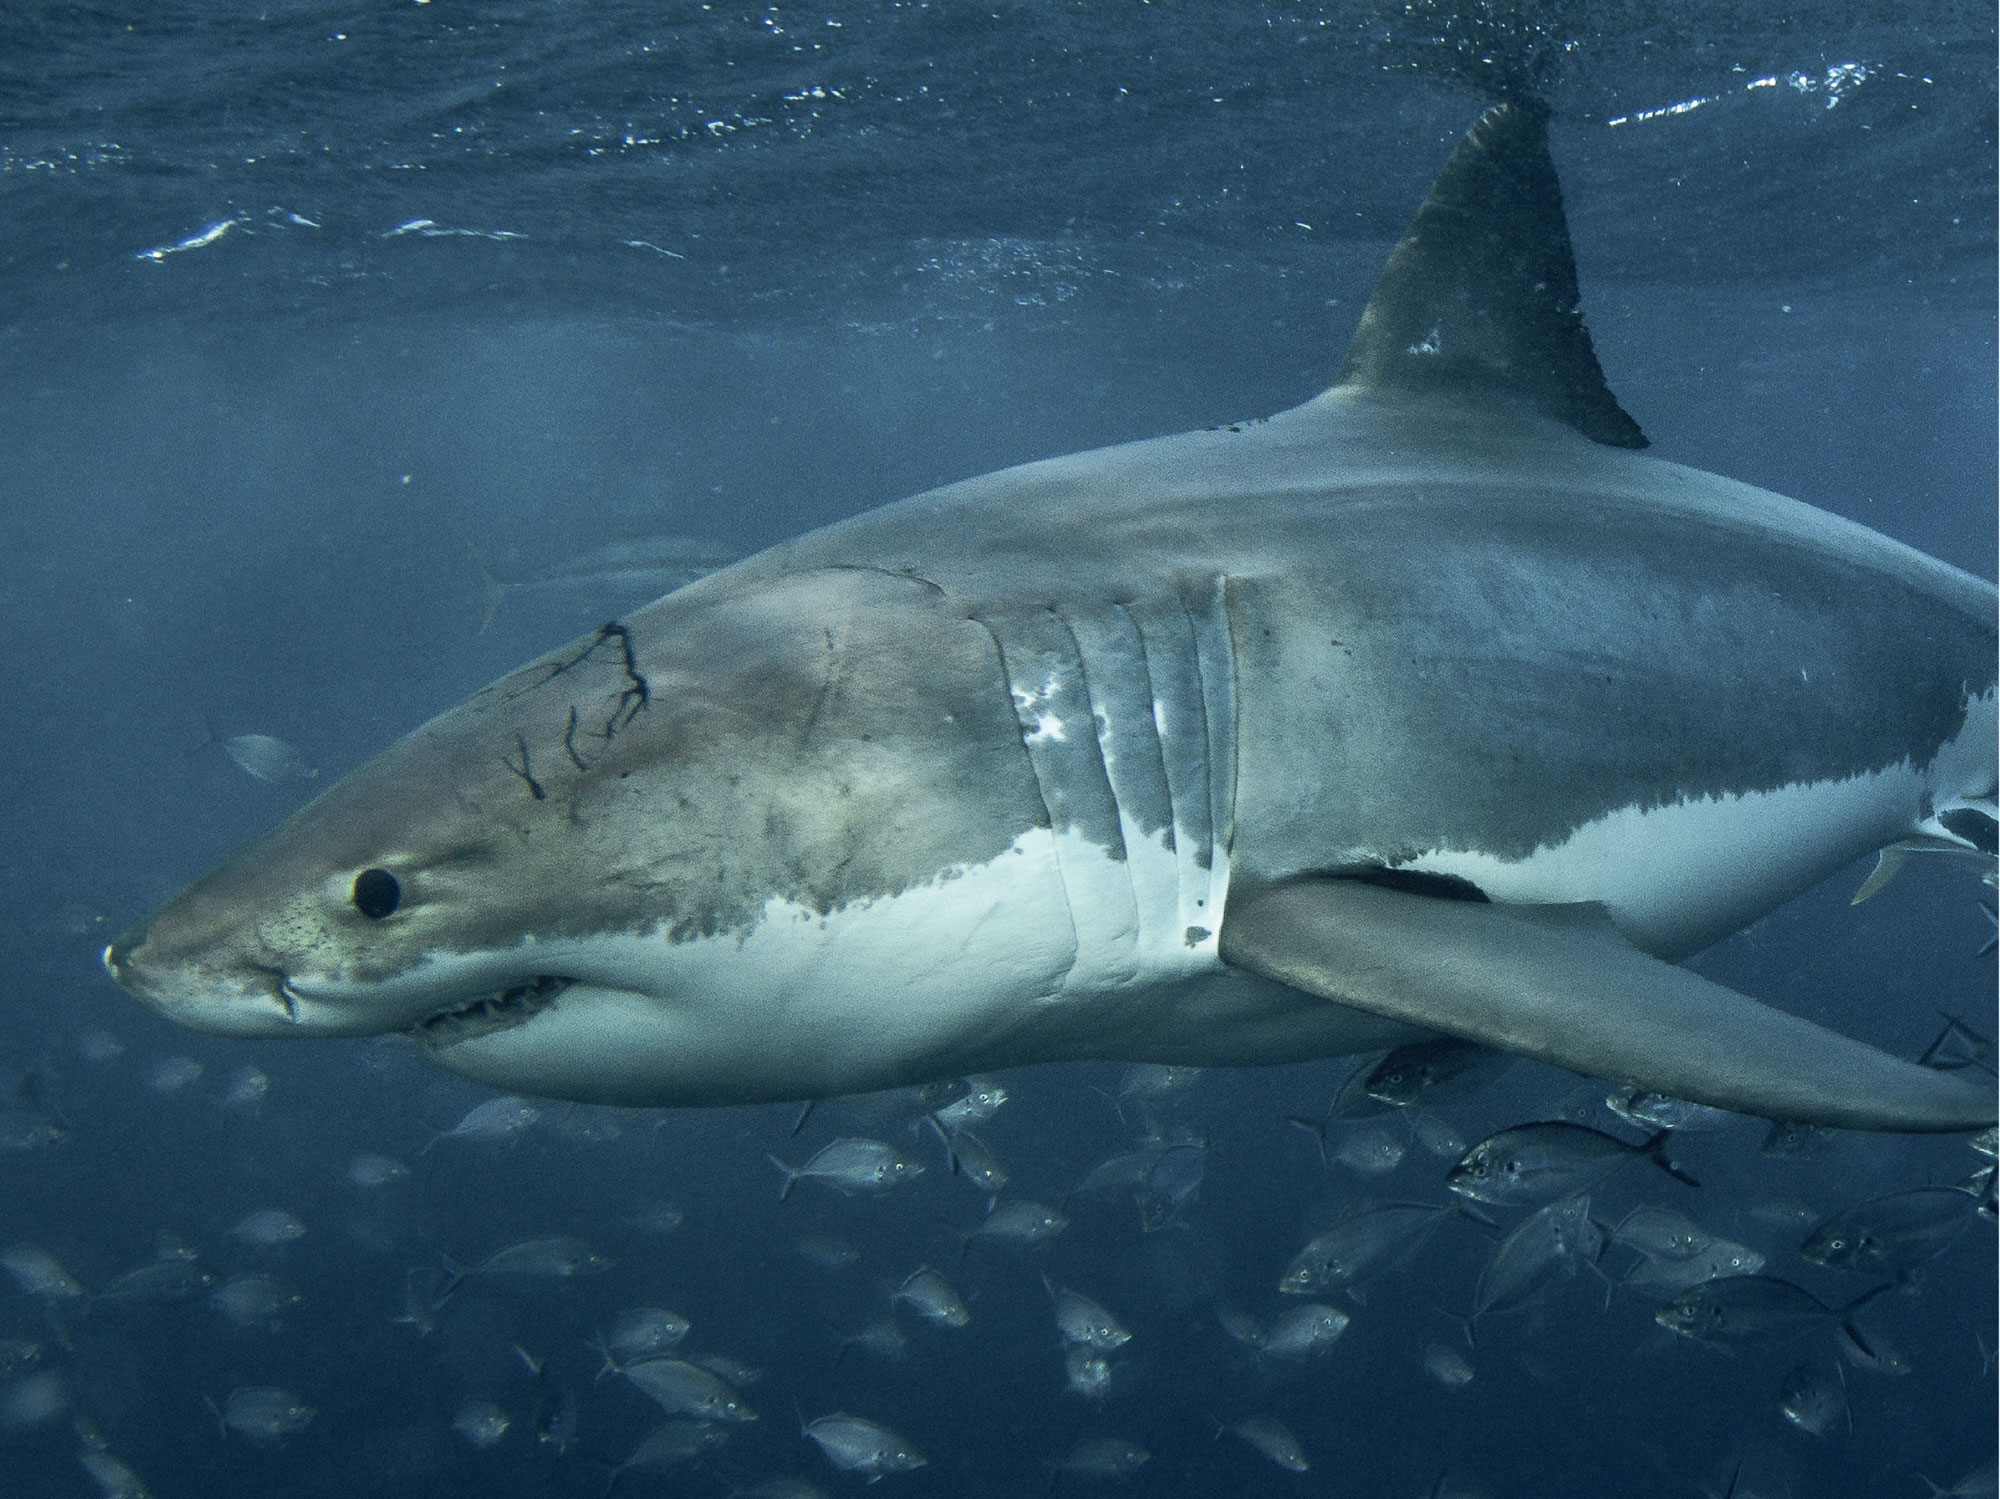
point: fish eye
(377, 893)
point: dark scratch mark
(638, 693)
(635, 695)
(524, 771)
(569, 742)
(829, 687)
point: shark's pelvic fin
(1559, 984)
(1480, 298)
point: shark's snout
(240, 1000)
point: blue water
(304, 298)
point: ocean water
(305, 298)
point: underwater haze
(356, 352)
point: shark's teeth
(491, 1012)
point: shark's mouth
(496, 1011)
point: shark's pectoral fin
(1559, 984)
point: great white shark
(1431, 706)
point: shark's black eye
(376, 893)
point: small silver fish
(1273, 1441)
(851, 1165)
(785, 1488)
(172, 1279)
(268, 758)
(980, 1103)
(1661, 1234)
(970, 1158)
(37, 1273)
(1447, 1366)
(1747, 1309)
(1889, 1235)
(99, 1046)
(1359, 1245)
(17, 1354)
(1532, 1164)
(825, 1252)
(247, 1088)
(660, 1220)
(171, 1074)
(1303, 1331)
(482, 1423)
(496, 1119)
(854, 1444)
(1369, 1150)
(1103, 1457)
(1157, 1080)
(268, 1228)
(736, 1371)
(642, 1332)
(264, 1415)
(1083, 1323)
(1813, 1398)
(254, 1300)
(681, 1388)
(1119, 1175)
(932, 1297)
(1087, 1372)
(667, 1447)
(1422, 1070)
(1718, 1259)
(23, 1131)
(1171, 1184)
(1241, 1326)
(1787, 1138)
(1021, 1221)
(1554, 1238)
(557, 1256)
(372, 1171)
(33, 1400)
(113, 1478)
(881, 1337)
(1650, 1111)
(633, 570)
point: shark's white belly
(1053, 949)
(1679, 877)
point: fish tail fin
(1846, 1313)
(792, 1175)
(1656, 1152)
(1464, 1320)
(950, 1151)
(598, 1346)
(454, 1273)
(492, 590)
(1314, 1127)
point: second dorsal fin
(1480, 297)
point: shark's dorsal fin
(1480, 297)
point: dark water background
(763, 267)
